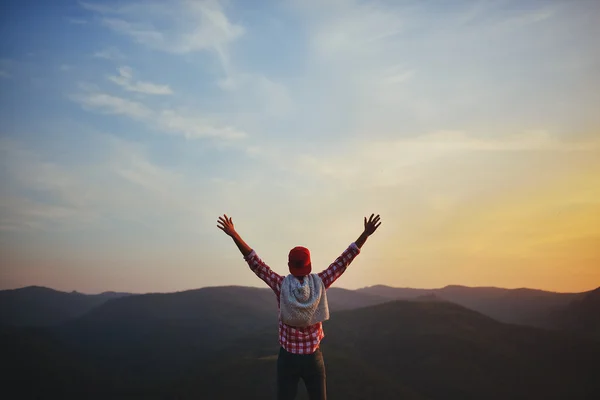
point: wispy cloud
(193, 127)
(109, 53)
(163, 120)
(444, 119)
(74, 198)
(183, 27)
(260, 94)
(189, 26)
(125, 80)
(25, 169)
(395, 162)
(389, 67)
(533, 140)
(23, 214)
(109, 104)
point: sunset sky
(127, 128)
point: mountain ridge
(189, 344)
(41, 306)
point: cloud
(164, 120)
(396, 74)
(183, 27)
(354, 29)
(25, 169)
(125, 80)
(259, 94)
(113, 105)
(392, 67)
(186, 26)
(20, 214)
(398, 161)
(109, 53)
(455, 141)
(192, 127)
(77, 198)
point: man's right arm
(258, 266)
(225, 224)
(241, 245)
(264, 272)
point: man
(302, 301)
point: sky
(128, 127)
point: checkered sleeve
(337, 268)
(262, 270)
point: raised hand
(372, 224)
(226, 225)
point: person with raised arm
(302, 300)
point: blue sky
(127, 127)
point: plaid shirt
(295, 339)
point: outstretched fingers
(225, 220)
(373, 223)
(225, 223)
(373, 220)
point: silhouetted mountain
(344, 299)
(414, 350)
(583, 315)
(519, 306)
(34, 363)
(163, 333)
(395, 293)
(223, 314)
(428, 297)
(40, 306)
(221, 343)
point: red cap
(299, 261)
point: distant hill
(582, 315)
(344, 299)
(519, 306)
(37, 306)
(135, 324)
(415, 350)
(222, 343)
(41, 306)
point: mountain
(582, 315)
(344, 299)
(41, 306)
(35, 363)
(519, 306)
(395, 292)
(470, 355)
(222, 343)
(414, 350)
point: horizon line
(336, 287)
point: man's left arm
(337, 268)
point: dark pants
(310, 367)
